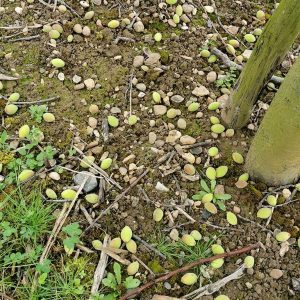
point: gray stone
(91, 182)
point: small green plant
(37, 111)
(208, 193)
(114, 282)
(73, 232)
(228, 80)
(29, 156)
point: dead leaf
(240, 184)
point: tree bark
(270, 49)
(274, 155)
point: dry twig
(185, 268)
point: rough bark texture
(270, 49)
(274, 155)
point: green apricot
(211, 173)
(193, 106)
(213, 151)
(156, 97)
(230, 49)
(210, 207)
(260, 15)
(264, 213)
(238, 158)
(14, 97)
(25, 175)
(189, 278)
(11, 109)
(115, 243)
(132, 120)
(213, 105)
(179, 10)
(231, 218)
(131, 246)
(157, 37)
(133, 268)
(68, 194)
(176, 19)
(48, 117)
(257, 31)
(249, 262)
(250, 38)
(188, 240)
(113, 121)
(92, 198)
(87, 161)
(171, 2)
(217, 263)
(171, 113)
(234, 43)
(24, 131)
(217, 249)
(207, 197)
(213, 58)
(57, 63)
(97, 244)
(196, 235)
(244, 177)
(222, 297)
(221, 171)
(54, 34)
(217, 128)
(126, 234)
(158, 214)
(272, 200)
(51, 194)
(214, 120)
(106, 163)
(282, 236)
(113, 24)
(205, 53)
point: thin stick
(118, 198)
(37, 101)
(257, 224)
(185, 214)
(25, 38)
(216, 286)
(150, 247)
(228, 63)
(99, 272)
(143, 264)
(7, 78)
(187, 267)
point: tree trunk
(274, 155)
(270, 49)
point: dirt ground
(179, 70)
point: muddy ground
(181, 69)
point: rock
(76, 79)
(187, 8)
(152, 137)
(189, 157)
(177, 99)
(160, 187)
(247, 53)
(152, 60)
(232, 29)
(91, 182)
(211, 76)
(181, 123)
(223, 100)
(200, 91)
(89, 83)
(173, 136)
(92, 122)
(174, 234)
(139, 26)
(189, 169)
(276, 273)
(86, 31)
(187, 140)
(54, 176)
(138, 61)
(159, 110)
(141, 87)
